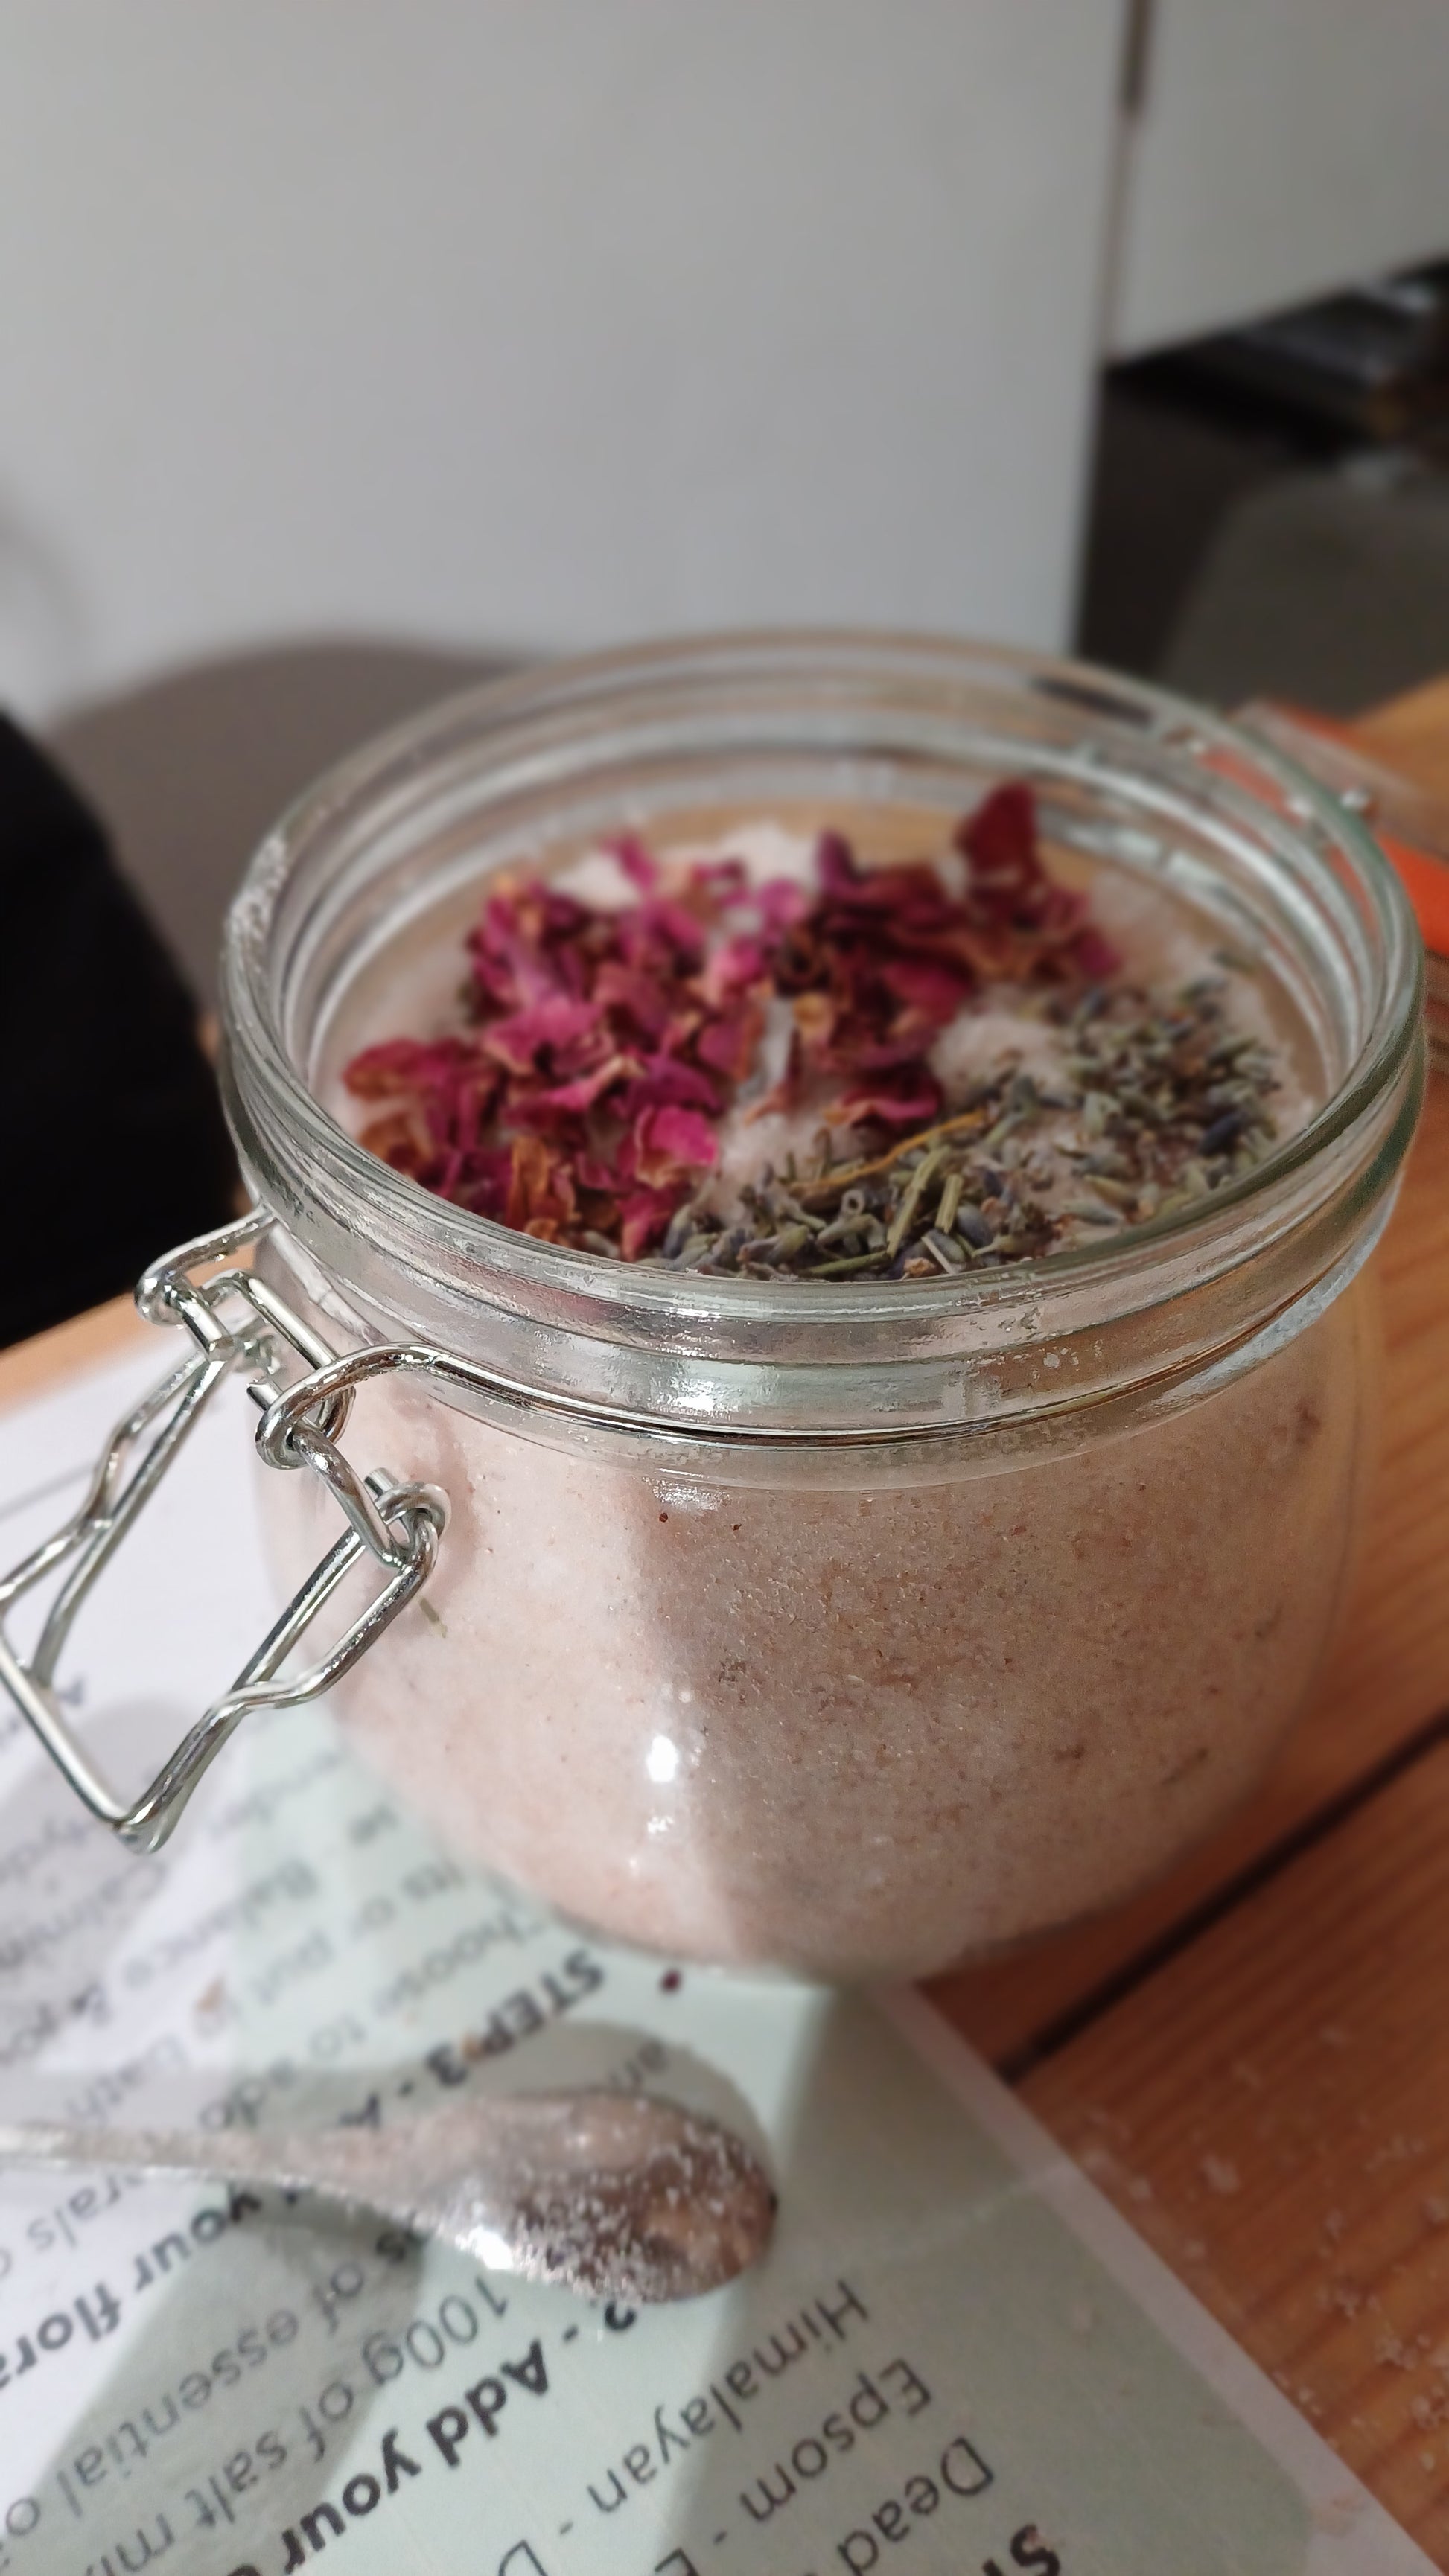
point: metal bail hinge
(234, 1319)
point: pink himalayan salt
(857, 1734)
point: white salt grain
(1219, 2174)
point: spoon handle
(230, 2155)
(396, 2173)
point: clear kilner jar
(851, 1627)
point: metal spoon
(615, 2195)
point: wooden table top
(1253, 2058)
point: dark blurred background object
(110, 933)
(1270, 506)
(191, 769)
(1373, 362)
(114, 1144)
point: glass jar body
(848, 1629)
(861, 1730)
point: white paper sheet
(957, 2358)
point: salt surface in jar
(852, 1625)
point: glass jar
(849, 1629)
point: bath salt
(765, 1057)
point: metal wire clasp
(234, 1319)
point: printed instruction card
(956, 2360)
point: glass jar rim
(540, 726)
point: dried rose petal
(643, 1217)
(999, 839)
(671, 1144)
(1093, 956)
(728, 1044)
(668, 1082)
(552, 1111)
(405, 1065)
(911, 1099)
(780, 903)
(636, 859)
(933, 993)
(540, 1191)
(560, 1020)
(633, 996)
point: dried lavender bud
(944, 1249)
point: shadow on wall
(189, 771)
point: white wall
(1284, 147)
(539, 321)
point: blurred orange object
(1410, 826)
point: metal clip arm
(234, 1319)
